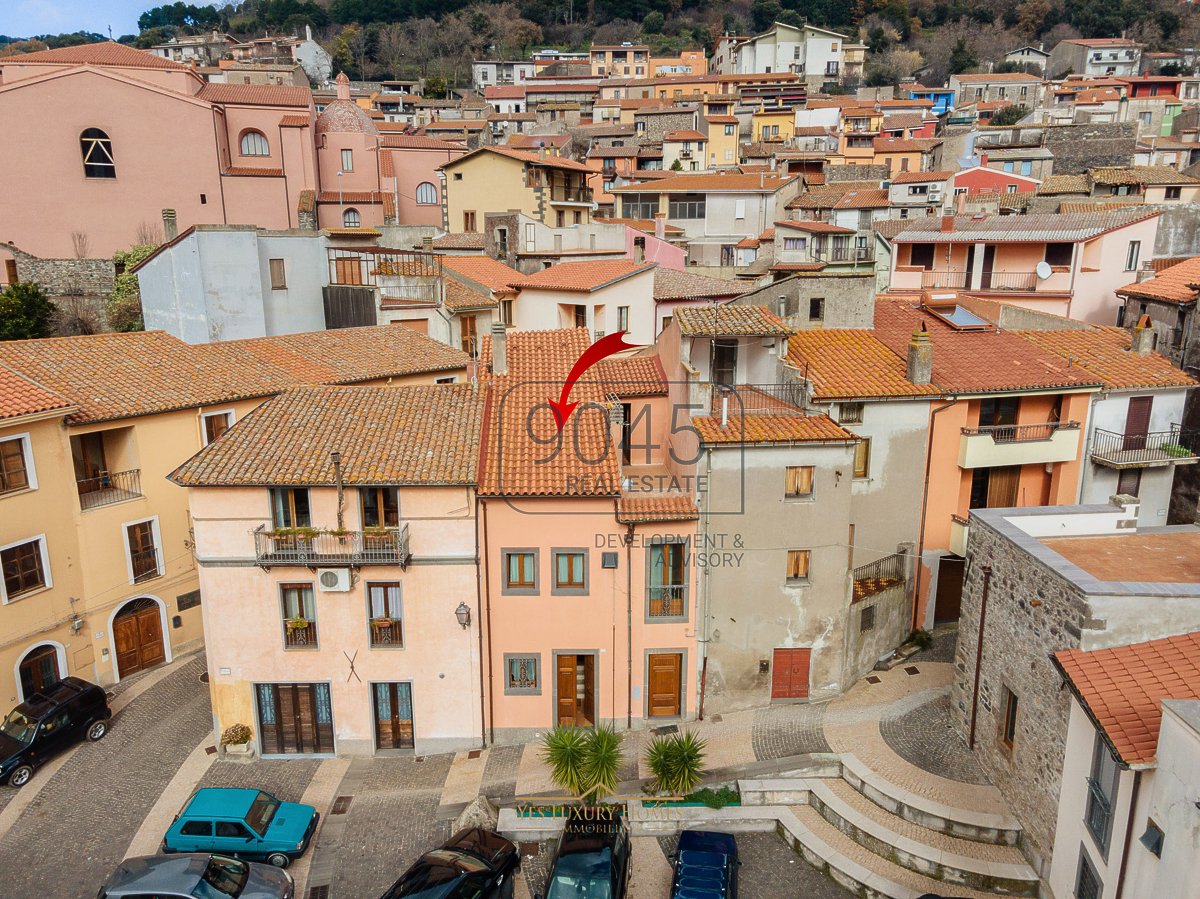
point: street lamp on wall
(463, 614)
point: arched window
(254, 143)
(351, 219)
(97, 154)
(426, 194)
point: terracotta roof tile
(1171, 285)
(920, 177)
(295, 121)
(1023, 228)
(483, 270)
(245, 171)
(814, 227)
(1104, 352)
(21, 396)
(843, 363)
(730, 321)
(771, 429)
(418, 142)
(638, 375)
(670, 284)
(459, 296)
(1140, 174)
(1123, 688)
(104, 53)
(386, 435)
(1054, 185)
(256, 94)
(580, 277)
(646, 225)
(666, 507)
(714, 183)
(685, 134)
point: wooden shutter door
(1137, 422)
(150, 637)
(789, 673)
(566, 690)
(664, 686)
(1002, 486)
(125, 635)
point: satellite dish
(1043, 270)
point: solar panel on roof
(959, 317)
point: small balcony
(878, 576)
(758, 399)
(666, 601)
(331, 549)
(109, 487)
(909, 278)
(1173, 446)
(1028, 444)
(960, 530)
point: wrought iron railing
(786, 398)
(145, 565)
(875, 577)
(299, 546)
(1021, 433)
(297, 634)
(109, 487)
(386, 632)
(957, 279)
(1175, 443)
(666, 600)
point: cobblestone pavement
(771, 868)
(942, 650)
(926, 738)
(784, 730)
(285, 779)
(77, 829)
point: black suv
(48, 723)
(592, 861)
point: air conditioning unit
(333, 580)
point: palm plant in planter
(584, 762)
(676, 763)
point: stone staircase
(881, 841)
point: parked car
(191, 876)
(592, 859)
(706, 866)
(48, 723)
(249, 824)
(474, 864)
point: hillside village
(887, 490)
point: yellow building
(771, 123)
(553, 191)
(723, 132)
(98, 574)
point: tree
(763, 13)
(584, 762)
(1031, 16)
(124, 307)
(26, 312)
(654, 23)
(1009, 115)
(676, 166)
(962, 58)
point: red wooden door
(789, 673)
(1137, 421)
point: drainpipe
(703, 634)
(1133, 798)
(925, 509)
(487, 617)
(987, 582)
(336, 458)
(479, 618)
(629, 626)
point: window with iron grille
(1087, 882)
(522, 675)
(867, 621)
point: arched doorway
(138, 636)
(40, 669)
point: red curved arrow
(602, 348)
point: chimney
(947, 224)
(343, 86)
(427, 243)
(983, 160)
(1143, 337)
(499, 349)
(639, 250)
(920, 357)
(542, 151)
(170, 228)
(660, 225)
(308, 32)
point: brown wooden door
(1137, 422)
(789, 673)
(295, 718)
(39, 670)
(137, 633)
(948, 599)
(566, 690)
(393, 716)
(1002, 486)
(665, 687)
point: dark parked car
(48, 723)
(199, 876)
(592, 861)
(706, 866)
(474, 864)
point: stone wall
(849, 298)
(1077, 148)
(1019, 639)
(836, 173)
(658, 124)
(65, 277)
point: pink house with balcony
(1068, 264)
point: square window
(867, 621)
(816, 309)
(520, 571)
(797, 566)
(522, 675)
(570, 571)
(862, 458)
(216, 424)
(25, 568)
(278, 274)
(1087, 881)
(799, 481)
(850, 413)
(1173, 193)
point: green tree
(124, 307)
(962, 58)
(584, 762)
(676, 166)
(654, 23)
(764, 12)
(26, 312)
(1009, 115)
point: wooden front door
(137, 633)
(393, 716)
(665, 685)
(295, 718)
(1137, 422)
(789, 673)
(575, 677)
(948, 598)
(39, 670)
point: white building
(608, 296)
(490, 72)
(815, 54)
(1112, 56)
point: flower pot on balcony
(382, 622)
(297, 624)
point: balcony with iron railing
(911, 278)
(314, 548)
(879, 576)
(842, 254)
(1174, 446)
(1019, 444)
(299, 632)
(109, 487)
(787, 398)
(666, 600)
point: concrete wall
(849, 299)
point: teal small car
(249, 824)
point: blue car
(249, 824)
(706, 866)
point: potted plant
(236, 740)
(676, 763)
(297, 623)
(382, 621)
(584, 762)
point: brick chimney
(920, 357)
(1143, 337)
(343, 86)
(660, 225)
(499, 349)
(947, 224)
(170, 226)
